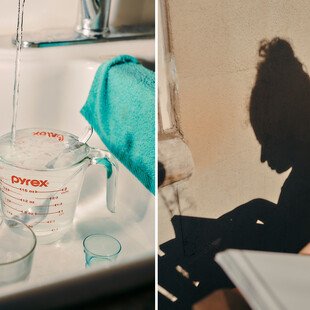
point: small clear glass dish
(17, 244)
(100, 249)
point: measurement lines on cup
(60, 212)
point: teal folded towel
(121, 109)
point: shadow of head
(280, 106)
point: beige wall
(215, 45)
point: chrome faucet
(94, 17)
(92, 27)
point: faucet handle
(93, 17)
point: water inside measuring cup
(42, 149)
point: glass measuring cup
(43, 196)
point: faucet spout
(92, 27)
(93, 17)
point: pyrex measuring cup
(43, 196)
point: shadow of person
(280, 117)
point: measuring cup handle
(106, 159)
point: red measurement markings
(65, 190)
(10, 201)
(5, 193)
(9, 190)
(8, 212)
(45, 222)
(54, 205)
(50, 222)
(60, 212)
(12, 207)
(31, 191)
(29, 213)
(34, 191)
(42, 213)
(50, 198)
(19, 199)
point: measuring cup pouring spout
(106, 159)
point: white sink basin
(54, 86)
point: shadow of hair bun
(276, 50)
